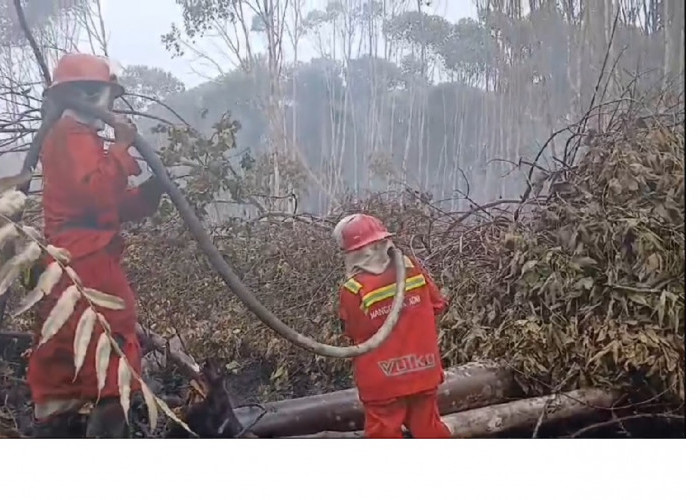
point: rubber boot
(63, 426)
(107, 421)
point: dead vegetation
(585, 289)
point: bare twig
(481, 208)
(544, 412)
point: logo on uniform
(410, 301)
(407, 364)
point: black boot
(107, 421)
(62, 426)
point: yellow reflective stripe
(407, 262)
(386, 292)
(352, 285)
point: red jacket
(84, 185)
(408, 362)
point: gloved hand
(152, 190)
(124, 131)
(153, 185)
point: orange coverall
(397, 382)
(85, 199)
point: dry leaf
(9, 274)
(124, 381)
(104, 300)
(49, 278)
(8, 232)
(30, 254)
(584, 283)
(661, 307)
(528, 266)
(654, 262)
(164, 407)
(104, 323)
(104, 348)
(615, 187)
(83, 334)
(584, 262)
(12, 202)
(151, 405)
(13, 181)
(10, 271)
(60, 313)
(47, 281)
(60, 254)
(73, 275)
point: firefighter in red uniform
(85, 199)
(397, 382)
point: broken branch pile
(591, 290)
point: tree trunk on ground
(490, 420)
(469, 386)
(527, 412)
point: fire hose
(53, 110)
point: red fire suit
(397, 382)
(85, 199)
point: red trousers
(418, 412)
(51, 369)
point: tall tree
(146, 84)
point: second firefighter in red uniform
(398, 381)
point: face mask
(100, 97)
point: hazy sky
(135, 27)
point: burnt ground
(15, 407)
(251, 384)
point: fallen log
(468, 386)
(524, 413)
(528, 412)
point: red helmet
(359, 230)
(75, 68)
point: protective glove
(152, 190)
(124, 131)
